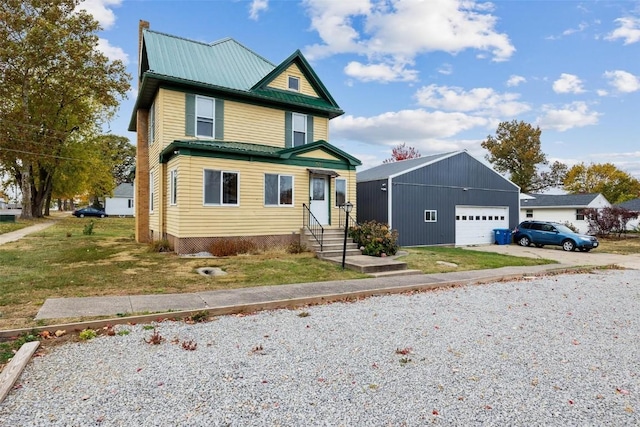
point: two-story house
(232, 146)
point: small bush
(230, 247)
(87, 334)
(571, 227)
(375, 238)
(296, 248)
(162, 245)
(88, 228)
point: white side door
(319, 198)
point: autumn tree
(402, 152)
(515, 150)
(53, 83)
(609, 220)
(615, 185)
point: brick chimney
(142, 157)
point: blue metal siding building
(438, 200)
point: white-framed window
(151, 191)
(173, 187)
(580, 214)
(529, 213)
(278, 190)
(294, 83)
(152, 123)
(299, 124)
(341, 191)
(221, 187)
(205, 114)
(430, 216)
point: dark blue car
(89, 211)
(542, 233)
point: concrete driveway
(595, 257)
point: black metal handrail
(313, 225)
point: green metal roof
(224, 69)
(244, 149)
(225, 63)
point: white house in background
(121, 204)
(632, 205)
(3, 204)
(561, 207)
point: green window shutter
(309, 129)
(219, 121)
(288, 130)
(190, 115)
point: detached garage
(444, 199)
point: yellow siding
(173, 116)
(251, 123)
(282, 81)
(190, 218)
(320, 129)
(318, 154)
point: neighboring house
(3, 204)
(231, 146)
(444, 199)
(121, 204)
(561, 208)
(632, 205)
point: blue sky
(438, 75)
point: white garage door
(475, 224)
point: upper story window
(152, 123)
(294, 83)
(205, 114)
(299, 129)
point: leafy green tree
(616, 185)
(53, 83)
(515, 150)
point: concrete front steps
(332, 243)
(332, 251)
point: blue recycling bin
(502, 236)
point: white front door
(319, 198)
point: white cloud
(410, 126)
(446, 69)
(101, 11)
(380, 72)
(602, 92)
(570, 116)
(628, 30)
(112, 52)
(583, 26)
(396, 31)
(482, 101)
(623, 81)
(256, 7)
(515, 80)
(568, 83)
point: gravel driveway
(561, 350)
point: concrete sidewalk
(254, 298)
(19, 234)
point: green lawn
(61, 261)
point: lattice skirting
(192, 245)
